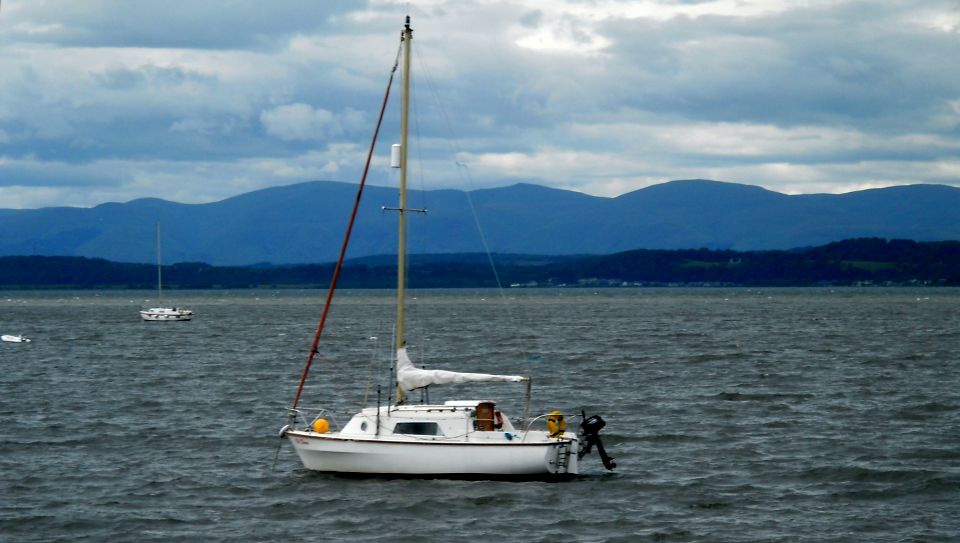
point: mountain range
(304, 223)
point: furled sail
(410, 377)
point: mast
(407, 38)
(159, 268)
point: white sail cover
(410, 377)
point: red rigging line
(346, 241)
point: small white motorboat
(15, 339)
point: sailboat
(161, 313)
(458, 438)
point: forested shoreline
(867, 261)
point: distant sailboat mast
(159, 270)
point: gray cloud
(187, 24)
(197, 101)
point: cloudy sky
(196, 101)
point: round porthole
(363, 426)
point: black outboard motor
(590, 436)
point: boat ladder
(562, 460)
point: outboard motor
(590, 436)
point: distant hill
(850, 262)
(304, 223)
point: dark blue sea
(734, 414)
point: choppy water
(733, 414)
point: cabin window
(417, 428)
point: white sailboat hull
(166, 314)
(413, 457)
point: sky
(194, 102)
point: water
(733, 414)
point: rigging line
(417, 139)
(346, 237)
(454, 144)
(493, 266)
(376, 355)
